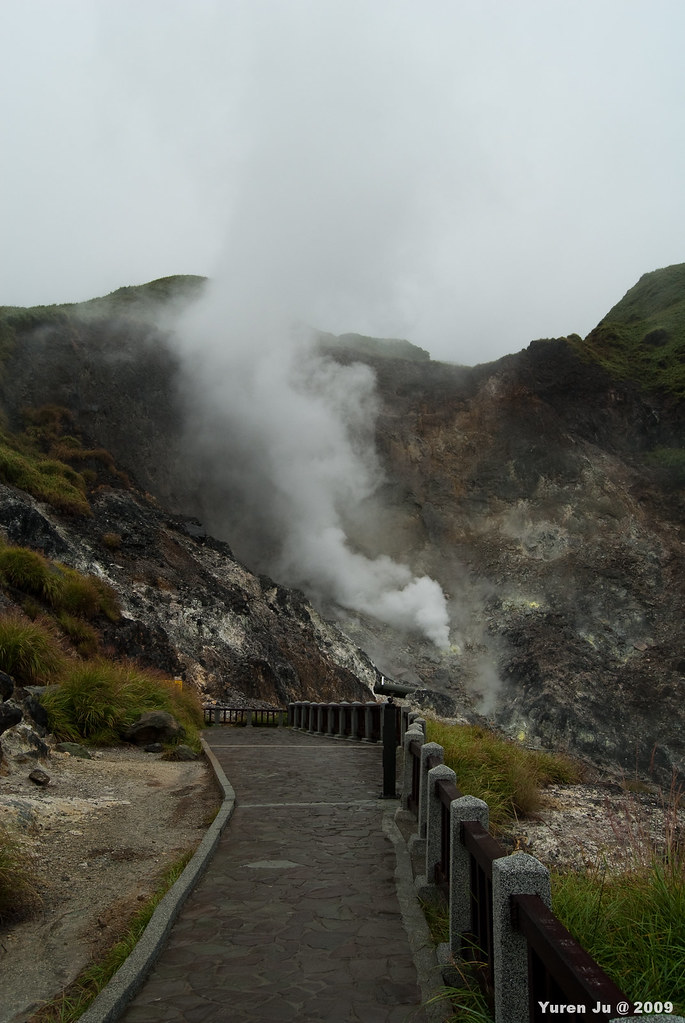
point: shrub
(29, 572)
(82, 636)
(29, 651)
(86, 596)
(99, 699)
(48, 480)
(112, 541)
(19, 896)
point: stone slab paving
(297, 918)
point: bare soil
(100, 835)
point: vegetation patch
(19, 897)
(97, 700)
(507, 776)
(632, 924)
(61, 589)
(46, 479)
(642, 339)
(29, 651)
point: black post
(389, 749)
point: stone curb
(435, 1008)
(113, 999)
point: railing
(219, 714)
(363, 722)
(499, 903)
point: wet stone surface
(297, 917)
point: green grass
(29, 651)
(97, 700)
(46, 479)
(19, 896)
(74, 1001)
(632, 924)
(61, 589)
(642, 338)
(507, 776)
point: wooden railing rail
(559, 969)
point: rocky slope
(544, 491)
(188, 607)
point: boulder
(74, 749)
(6, 686)
(154, 726)
(10, 715)
(22, 744)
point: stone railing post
(413, 734)
(518, 874)
(414, 716)
(368, 721)
(468, 808)
(427, 750)
(343, 710)
(355, 713)
(434, 824)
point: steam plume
(289, 433)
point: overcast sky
(470, 175)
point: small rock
(153, 747)
(39, 777)
(153, 726)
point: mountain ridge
(544, 492)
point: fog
(468, 176)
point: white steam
(288, 432)
(325, 210)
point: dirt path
(100, 835)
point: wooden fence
(499, 903)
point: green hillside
(642, 338)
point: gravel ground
(100, 835)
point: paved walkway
(297, 918)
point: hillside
(543, 491)
(642, 339)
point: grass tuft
(29, 651)
(507, 776)
(62, 589)
(19, 896)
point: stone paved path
(297, 918)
